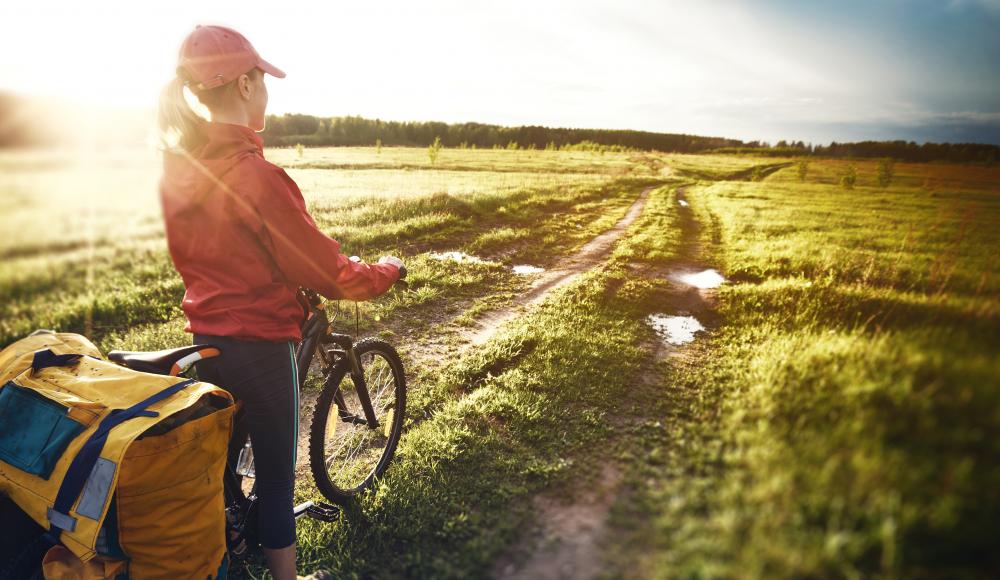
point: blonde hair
(180, 125)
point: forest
(310, 130)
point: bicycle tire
(340, 487)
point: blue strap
(81, 466)
(46, 358)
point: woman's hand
(395, 262)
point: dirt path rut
(591, 254)
(570, 535)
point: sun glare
(771, 71)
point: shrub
(886, 170)
(434, 150)
(803, 169)
(849, 177)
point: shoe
(317, 575)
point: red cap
(215, 55)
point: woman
(243, 242)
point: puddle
(526, 269)
(682, 202)
(460, 257)
(675, 330)
(705, 279)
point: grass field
(846, 412)
(840, 417)
(87, 248)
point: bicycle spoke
(354, 443)
(378, 379)
(349, 464)
(330, 458)
(351, 433)
(347, 461)
(378, 396)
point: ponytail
(180, 126)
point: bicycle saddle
(171, 361)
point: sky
(845, 70)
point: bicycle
(361, 429)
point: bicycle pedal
(323, 512)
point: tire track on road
(593, 253)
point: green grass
(840, 418)
(504, 422)
(89, 253)
(843, 421)
(460, 160)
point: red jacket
(242, 240)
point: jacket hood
(189, 177)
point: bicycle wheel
(345, 453)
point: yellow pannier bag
(60, 563)
(116, 464)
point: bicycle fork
(346, 344)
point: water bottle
(244, 465)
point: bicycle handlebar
(315, 300)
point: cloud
(965, 117)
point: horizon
(913, 70)
(142, 120)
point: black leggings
(263, 376)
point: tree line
(309, 130)
(292, 129)
(900, 150)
